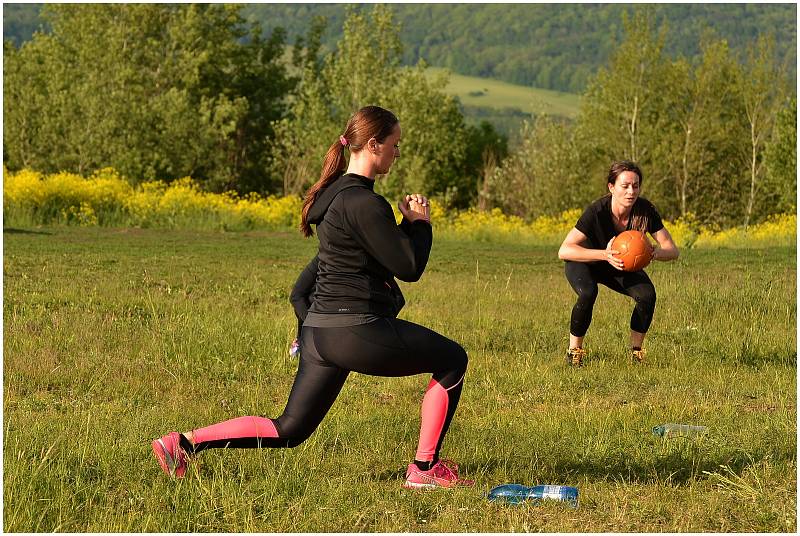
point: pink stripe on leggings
(236, 429)
(434, 413)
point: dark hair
(639, 220)
(369, 122)
(623, 165)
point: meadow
(116, 335)
(491, 93)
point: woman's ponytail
(333, 166)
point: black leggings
(584, 277)
(386, 347)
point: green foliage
(761, 89)
(698, 128)
(623, 111)
(365, 69)
(542, 45)
(166, 91)
(540, 176)
(156, 91)
(553, 46)
(780, 182)
(485, 147)
(700, 144)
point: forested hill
(553, 46)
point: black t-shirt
(596, 222)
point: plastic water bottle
(678, 430)
(516, 493)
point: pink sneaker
(171, 457)
(444, 474)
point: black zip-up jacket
(303, 289)
(362, 250)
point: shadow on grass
(677, 468)
(755, 359)
(11, 230)
(392, 474)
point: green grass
(491, 93)
(115, 336)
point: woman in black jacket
(351, 324)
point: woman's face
(388, 151)
(625, 189)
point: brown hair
(639, 219)
(369, 122)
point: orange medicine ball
(634, 248)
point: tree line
(167, 91)
(551, 46)
(715, 136)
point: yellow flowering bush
(685, 230)
(778, 229)
(105, 198)
(556, 226)
(486, 225)
(23, 189)
(64, 196)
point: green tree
(780, 155)
(761, 91)
(156, 91)
(486, 149)
(623, 113)
(365, 69)
(701, 139)
(540, 176)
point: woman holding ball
(590, 259)
(351, 324)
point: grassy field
(115, 336)
(488, 92)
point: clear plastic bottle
(516, 493)
(679, 430)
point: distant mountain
(20, 21)
(551, 46)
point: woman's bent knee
(293, 431)
(586, 296)
(460, 357)
(646, 297)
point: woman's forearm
(572, 252)
(665, 254)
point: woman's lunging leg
(314, 391)
(438, 406)
(393, 347)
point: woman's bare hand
(415, 207)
